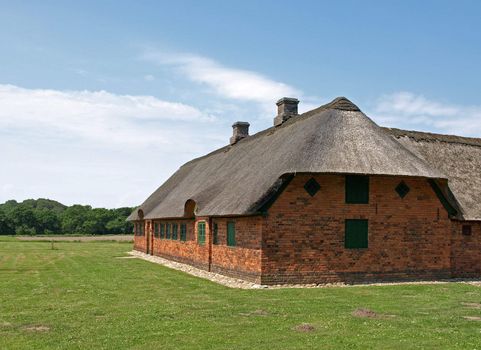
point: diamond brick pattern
(402, 189)
(312, 187)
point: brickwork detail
(304, 236)
(466, 250)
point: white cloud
(149, 77)
(227, 82)
(96, 147)
(95, 115)
(410, 111)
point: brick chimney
(241, 130)
(286, 108)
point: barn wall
(466, 250)
(140, 242)
(241, 261)
(409, 238)
(189, 252)
(244, 259)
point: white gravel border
(241, 284)
(194, 271)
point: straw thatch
(457, 157)
(237, 179)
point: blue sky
(101, 101)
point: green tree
(48, 221)
(39, 216)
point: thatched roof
(457, 157)
(238, 179)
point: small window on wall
(174, 231)
(215, 238)
(356, 234)
(162, 230)
(156, 230)
(183, 232)
(201, 232)
(141, 228)
(357, 189)
(466, 230)
(231, 234)
(167, 231)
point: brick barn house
(323, 196)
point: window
(357, 189)
(215, 239)
(167, 231)
(156, 230)
(161, 230)
(136, 229)
(231, 234)
(174, 231)
(466, 230)
(201, 232)
(355, 234)
(183, 232)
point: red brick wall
(466, 250)
(140, 242)
(304, 235)
(190, 251)
(243, 260)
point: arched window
(190, 208)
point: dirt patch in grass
(256, 313)
(364, 313)
(304, 328)
(367, 313)
(472, 305)
(472, 318)
(36, 328)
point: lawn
(83, 295)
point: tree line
(45, 216)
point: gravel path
(237, 283)
(214, 277)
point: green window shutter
(174, 231)
(216, 234)
(162, 230)
(167, 231)
(357, 189)
(231, 234)
(201, 232)
(356, 234)
(183, 232)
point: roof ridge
(340, 103)
(429, 136)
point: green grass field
(83, 296)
